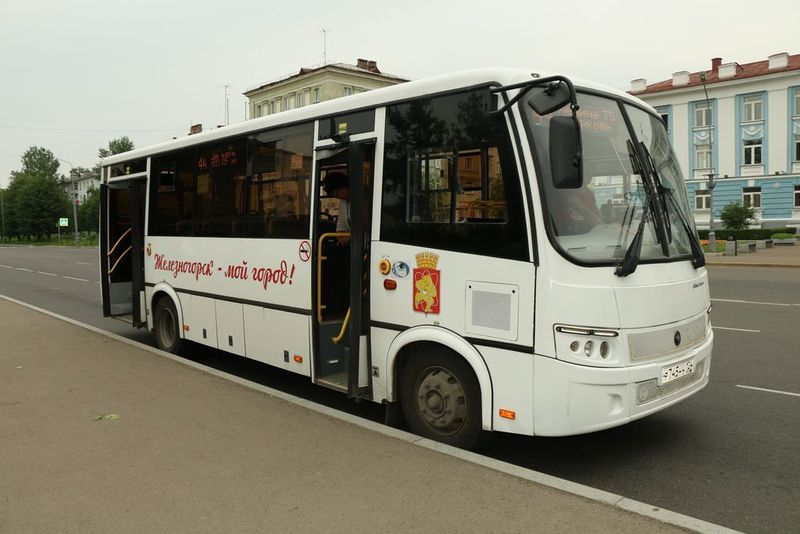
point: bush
(748, 233)
(781, 235)
(735, 216)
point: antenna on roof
(324, 31)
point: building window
(751, 197)
(287, 102)
(702, 115)
(348, 91)
(797, 196)
(665, 120)
(752, 152)
(703, 157)
(315, 95)
(301, 100)
(797, 148)
(702, 199)
(753, 108)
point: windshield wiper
(667, 193)
(632, 255)
(631, 259)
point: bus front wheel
(441, 399)
(166, 326)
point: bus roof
(373, 98)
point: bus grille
(661, 342)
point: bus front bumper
(572, 399)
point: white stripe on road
(84, 263)
(6, 266)
(23, 269)
(779, 392)
(751, 302)
(78, 279)
(736, 329)
(46, 274)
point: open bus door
(121, 250)
(341, 309)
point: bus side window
(450, 178)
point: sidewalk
(777, 256)
(98, 435)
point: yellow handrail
(338, 338)
(110, 252)
(320, 259)
(111, 270)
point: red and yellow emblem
(427, 289)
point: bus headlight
(600, 347)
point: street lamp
(712, 236)
(74, 196)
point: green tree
(736, 217)
(39, 202)
(38, 161)
(116, 146)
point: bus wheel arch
(447, 351)
(167, 319)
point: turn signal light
(389, 284)
(508, 414)
(298, 358)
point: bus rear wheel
(440, 396)
(166, 326)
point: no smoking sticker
(305, 251)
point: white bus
(520, 254)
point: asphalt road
(728, 455)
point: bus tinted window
(220, 189)
(450, 178)
(351, 124)
(128, 167)
(278, 187)
(172, 198)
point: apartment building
(741, 123)
(316, 84)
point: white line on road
(779, 392)
(23, 269)
(46, 274)
(750, 302)
(6, 266)
(84, 263)
(736, 329)
(78, 279)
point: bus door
(121, 250)
(341, 253)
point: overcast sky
(76, 74)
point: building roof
(741, 71)
(362, 66)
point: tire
(166, 326)
(441, 398)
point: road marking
(46, 274)
(78, 279)
(23, 269)
(84, 263)
(736, 329)
(6, 266)
(751, 302)
(779, 392)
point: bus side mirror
(566, 158)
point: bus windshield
(597, 223)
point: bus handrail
(320, 259)
(338, 338)
(111, 270)
(110, 252)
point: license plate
(674, 372)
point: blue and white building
(747, 133)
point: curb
(573, 488)
(742, 264)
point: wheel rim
(441, 400)
(166, 327)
